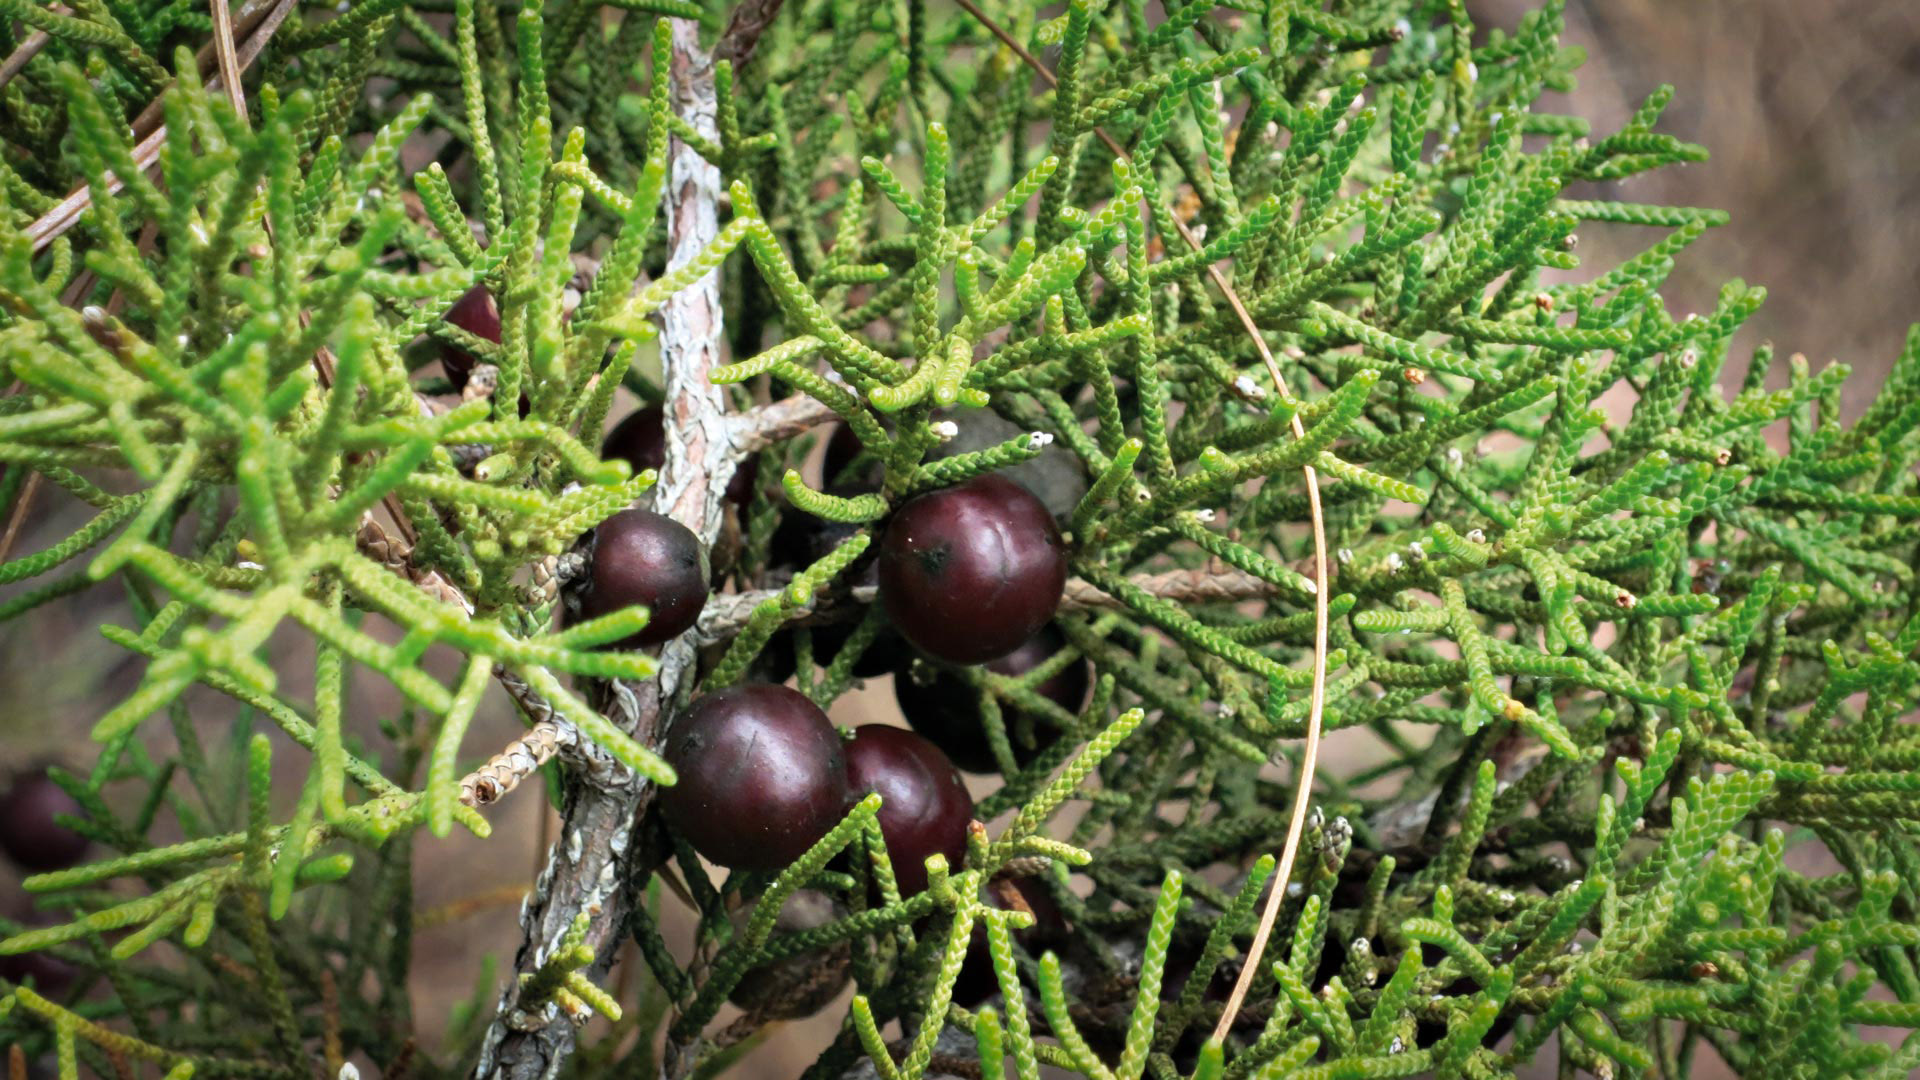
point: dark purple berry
(29, 833)
(939, 704)
(648, 559)
(477, 314)
(641, 441)
(924, 808)
(970, 572)
(762, 776)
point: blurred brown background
(1809, 109)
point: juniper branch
(588, 872)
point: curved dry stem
(264, 20)
(229, 60)
(1310, 754)
(1303, 779)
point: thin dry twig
(749, 20)
(17, 60)
(229, 61)
(468, 906)
(66, 213)
(764, 425)
(1303, 778)
(19, 518)
(725, 616)
(266, 18)
(331, 1050)
(504, 771)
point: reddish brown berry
(762, 776)
(886, 652)
(641, 441)
(804, 983)
(843, 446)
(924, 808)
(29, 831)
(477, 314)
(970, 572)
(977, 981)
(939, 704)
(647, 559)
(49, 974)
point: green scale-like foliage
(1615, 664)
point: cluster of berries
(970, 574)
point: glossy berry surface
(649, 559)
(762, 776)
(924, 808)
(641, 441)
(939, 704)
(29, 833)
(970, 572)
(477, 314)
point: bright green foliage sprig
(1611, 663)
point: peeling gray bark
(588, 868)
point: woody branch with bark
(589, 868)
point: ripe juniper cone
(641, 441)
(924, 807)
(970, 572)
(648, 559)
(29, 833)
(477, 314)
(939, 704)
(762, 776)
